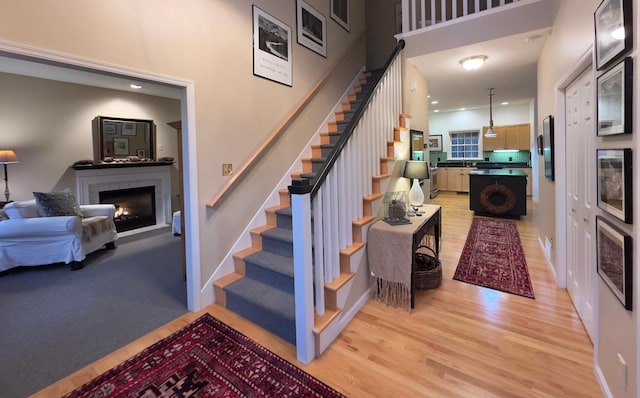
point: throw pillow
(23, 209)
(52, 204)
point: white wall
(475, 119)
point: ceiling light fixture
(135, 86)
(490, 133)
(474, 62)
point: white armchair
(27, 239)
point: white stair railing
(417, 14)
(337, 201)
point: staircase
(262, 287)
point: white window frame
(479, 145)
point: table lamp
(7, 156)
(416, 170)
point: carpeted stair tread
(273, 262)
(281, 234)
(263, 305)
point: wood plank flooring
(460, 341)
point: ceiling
(510, 68)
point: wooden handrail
(237, 177)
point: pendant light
(490, 133)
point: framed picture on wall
(548, 149)
(614, 260)
(613, 29)
(271, 48)
(614, 183)
(340, 13)
(312, 28)
(435, 143)
(615, 99)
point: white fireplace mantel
(90, 182)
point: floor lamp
(416, 170)
(7, 156)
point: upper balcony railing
(418, 14)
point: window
(464, 144)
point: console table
(390, 250)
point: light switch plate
(227, 169)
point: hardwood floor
(460, 341)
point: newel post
(300, 191)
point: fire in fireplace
(135, 207)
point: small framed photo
(129, 129)
(613, 30)
(271, 48)
(340, 13)
(615, 98)
(121, 146)
(312, 28)
(540, 144)
(614, 183)
(110, 128)
(141, 153)
(435, 143)
(614, 260)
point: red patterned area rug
(205, 359)
(493, 257)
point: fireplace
(91, 182)
(135, 207)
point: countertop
(498, 172)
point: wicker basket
(428, 269)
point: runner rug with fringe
(205, 359)
(493, 257)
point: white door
(579, 163)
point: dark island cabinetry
(498, 193)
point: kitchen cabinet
(515, 136)
(458, 179)
(443, 176)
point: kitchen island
(498, 193)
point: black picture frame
(615, 99)
(340, 13)
(613, 30)
(311, 27)
(615, 190)
(271, 48)
(614, 260)
(540, 144)
(548, 148)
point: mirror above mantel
(121, 138)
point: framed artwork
(540, 145)
(271, 48)
(340, 13)
(614, 260)
(141, 153)
(312, 28)
(548, 148)
(109, 128)
(120, 146)
(129, 129)
(614, 183)
(615, 98)
(435, 143)
(613, 30)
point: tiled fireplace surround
(90, 182)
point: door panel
(580, 136)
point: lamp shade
(8, 156)
(416, 169)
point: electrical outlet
(227, 169)
(622, 372)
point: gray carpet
(54, 321)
